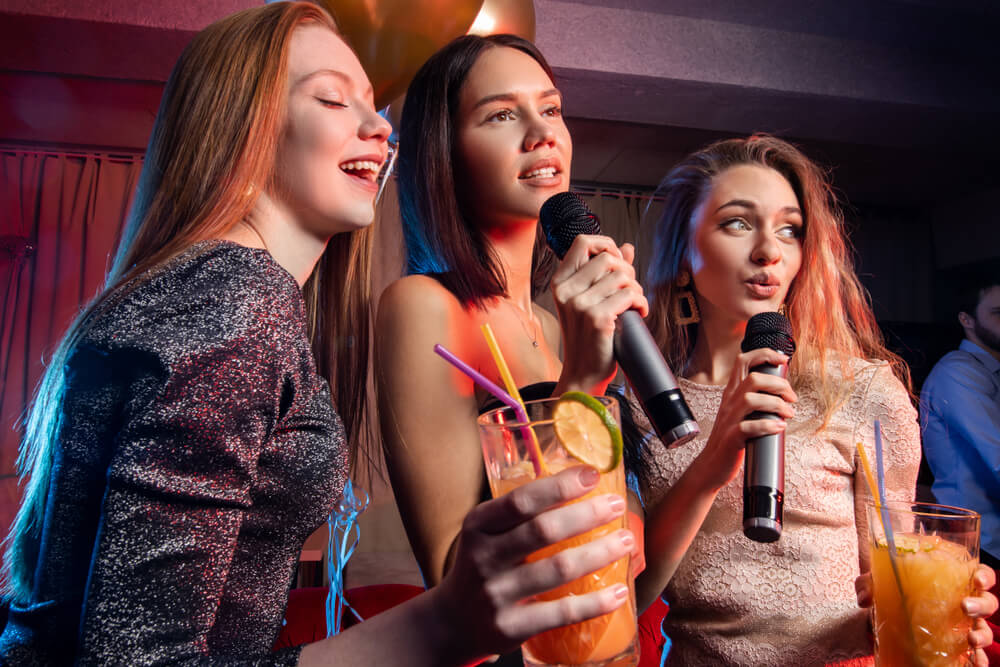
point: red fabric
(305, 616)
(993, 651)
(651, 638)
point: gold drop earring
(685, 306)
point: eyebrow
(511, 97)
(746, 203)
(336, 73)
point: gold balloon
(393, 38)
(516, 17)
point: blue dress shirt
(960, 425)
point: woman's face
(513, 149)
(333, 143)
(747, 244)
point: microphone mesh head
(563, 217)
(771, 330)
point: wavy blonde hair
(827, 306)
(213, 145)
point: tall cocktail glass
(608, 640)
(917, 611)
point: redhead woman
(750, 226)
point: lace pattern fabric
(737, 602)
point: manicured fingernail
(621, 592)
(616, 503)
(971, 606)
(627, 539)
(589, 476)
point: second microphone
(563, 217)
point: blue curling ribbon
(344, 534)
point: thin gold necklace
(533, 334)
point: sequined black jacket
(198, 449)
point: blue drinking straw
(883, 510)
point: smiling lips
(544, 169)
(364, 169)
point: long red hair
(213, 146)
(827, 306)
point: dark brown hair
(441, 237)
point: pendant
(534, 343)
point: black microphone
(563, 217)
(764, 456)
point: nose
(766, 250)
(374, 126)
(539, 133)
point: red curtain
(60, 220)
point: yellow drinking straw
(508, 381)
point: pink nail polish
(589, 476)
(621, 592)
(616, 503)
(627, 540)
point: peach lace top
(791, 602)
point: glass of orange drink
(919, 584)
(568, 432)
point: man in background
(960, 415)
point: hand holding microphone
(764, 456)
(564, 217)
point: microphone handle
(652, 380)
(764, 476)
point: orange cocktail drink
(606, 640)
(919, 585)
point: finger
(982, 605)
(863, 589)
(770, 384)
(755, 428)
(561, 567)
(583, 248)
(556, 525)
(628, 252)
(985, 577)
(762, 355)
(980, 636)
(592, 271)
(525, 502)
(523, 621)
(754, 402)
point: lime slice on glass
(587, 431)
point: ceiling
(900, 99)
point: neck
(715, 349)
(513, 246)
(973, 338)
(274, 228)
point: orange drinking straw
(511, 386)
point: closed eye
(331, 103)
